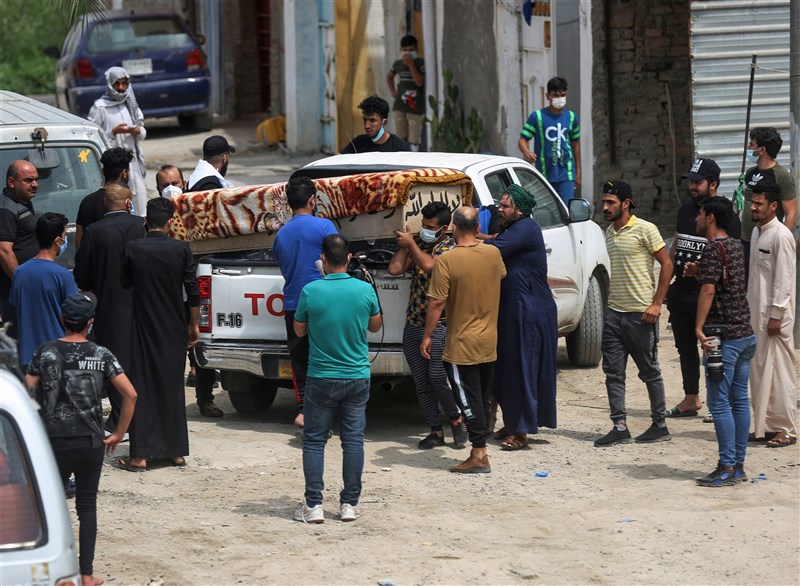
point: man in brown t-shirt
(467, 281)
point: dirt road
(624, 515)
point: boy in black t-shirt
(66, 377)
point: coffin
(367, 206)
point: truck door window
(547, 212)
(498, 183)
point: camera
(714, 370)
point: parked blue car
(163, 57)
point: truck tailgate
(247, 302)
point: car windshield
(140, 33)
(21, 517)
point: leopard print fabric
(221, 213)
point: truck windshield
(62, 188)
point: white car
(37, 545)
(577, 260)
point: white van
(37, 545)
(64, 148)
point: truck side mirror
(580, 210)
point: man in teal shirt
(335, 313)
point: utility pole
(794, 128)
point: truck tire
(249, 394)
(584, 345)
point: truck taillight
(204, 283)
(195, 61)
(84, 69)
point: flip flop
(514, 443)
(675, 412)
(125, 464)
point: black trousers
(472, 386)
(83, 457)
(298, 355)
(682, 312)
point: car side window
(548, 212)
(21, 518)
(498, 183)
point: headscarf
(524, 200)
(114, 74)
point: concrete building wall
(641, 102)
(469, 49)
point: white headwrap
(114, 74)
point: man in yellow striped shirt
(630, 326)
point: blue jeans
(728, 401)
(324, 398)
(565, 189)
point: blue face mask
(379, 135)
(752, 157)
(63, 248)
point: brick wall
(641, 59)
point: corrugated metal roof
(724, 36)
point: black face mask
(224, 169)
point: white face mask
(428, 236)
(559, 103)
(171, 191)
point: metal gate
(724, 36)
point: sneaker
(473, 465)
(721, 476)
(614, 437)
(654, 433)
(739, 473)
(431, 441)
(347, 512)
(460, 435)
(308, 514)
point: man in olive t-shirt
(467, 281)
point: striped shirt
(631, 251)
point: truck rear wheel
(584, 345)
(249, 394)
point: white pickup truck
(242, 325)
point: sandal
(514, 443)
(675, 412)
(501, 434)
(125, 464)
(781, 440)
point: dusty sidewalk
(624, 515)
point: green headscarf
(524, 201)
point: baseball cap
(703, 169)
(761, 180)
(78, 308)
(619, 188)
(216, 145)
